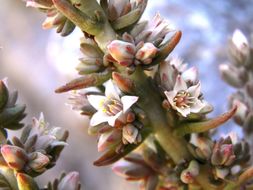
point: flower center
(183, 99)
(112, 106)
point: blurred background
(36, 62)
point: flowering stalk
(142, 99)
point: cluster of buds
(142, 46)
(92, 61)
(226, 156)
(239, 75)
(37, 150)
(126, 53)
(145, 166)
(182, 88)
(123, 14)
(54, 17)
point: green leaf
(3, 95)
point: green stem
(150, 101)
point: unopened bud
(131, 169)
(70, 182)
(241, 112)
(130, 133)
(146, 53)
(25, 182)
(15, 156)
(236, 77)
(122, 52)
(109, 139)
(239, 48)
(189, 174)
(39, 162)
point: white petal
(112, 119)
(98, 117)
(194, 90)
(190, 75)
(128, 101)
(170, 96)
(180, 84)
(197, 106)
(111, 91)
(96, 101)
(184, 111)
(168, 75)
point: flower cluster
(227, 156)
(141, 46)
(37, 150)
(239, 75)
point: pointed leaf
(127, 20)
(94, 79)
(203, 126)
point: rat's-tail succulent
(146, 109)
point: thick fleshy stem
(149, 100)
(95, 24)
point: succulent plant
(37, 150)
(147, 110)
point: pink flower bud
(70, 182)
(146, 53)
(39, 162)
(14, 156)
(122, 52)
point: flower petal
(112, 119)
(111, 91)
(128, 101)
(96, 101)
(197, 106)
(184, 111)
(170, 96)
(190, 74)
(98, 117)
(194, 90)
(180, 84)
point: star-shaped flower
(183, 99)
(110, 107)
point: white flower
(183, 99)
(110, 107)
